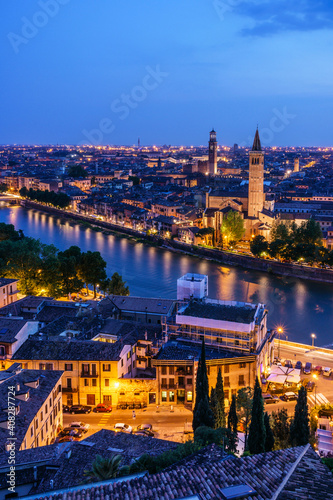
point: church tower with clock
(212, 154)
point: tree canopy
(232, 227)
(59, 200)
(202, 414)
(42, 270)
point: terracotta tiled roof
(278, 475)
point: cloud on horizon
(270, 17)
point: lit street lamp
(313, 336)
(279, 330)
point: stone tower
(212, 154)
(256, 178)
(296, 165)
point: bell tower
(212, 154)
(256, 178)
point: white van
(327, 371)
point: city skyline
(77, 73)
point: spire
(256, 143)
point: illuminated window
(164, 396)
(189, 396)
(171, 396)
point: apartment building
(13, 333)
(35, 397)
(176, 368)
(8, 291)
(91, 371)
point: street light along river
(301, 307)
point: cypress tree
(257, 432)
(232, 425)
(219, 391)
(300, 429)
(202, 414)
(269, 441)
(213, 405)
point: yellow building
(92, 371)
(176, 369)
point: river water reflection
(302, 307)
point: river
(301, 307)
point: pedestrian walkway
(318, 399)
(104, 419)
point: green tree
(300, 429)
(205, 436)
(3, 187)
(281, 429)
(269, 441)
(115, 285)
(50, 279)
(220, 407)
(103, 468)
(276, 247)
(7, 232)
(232, 425)
(76, 171)
(257, 431)
(213, 405)
(23, 261)
(69, 262)
(232, 227)
(280, 231)
(244, 409)
(309, 232)
(258, 245)
(92, 269)
(135, 179)
(202, 414)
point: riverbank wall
(219, 256)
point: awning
(283, 374)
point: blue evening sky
(109, 71)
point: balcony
(88, 375)
(69, 389)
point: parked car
(68, 431)
(80, 409)
(123, 428)
(307, 368)
(144, 432)
(310, 386)
(270, 399)
(65, 439)
(142, 427)
(327, 371)
(65, 409)
(102, 407)
(288, 363)
(80, 426)
(298, 365)
(318, 369)
(289, 396)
